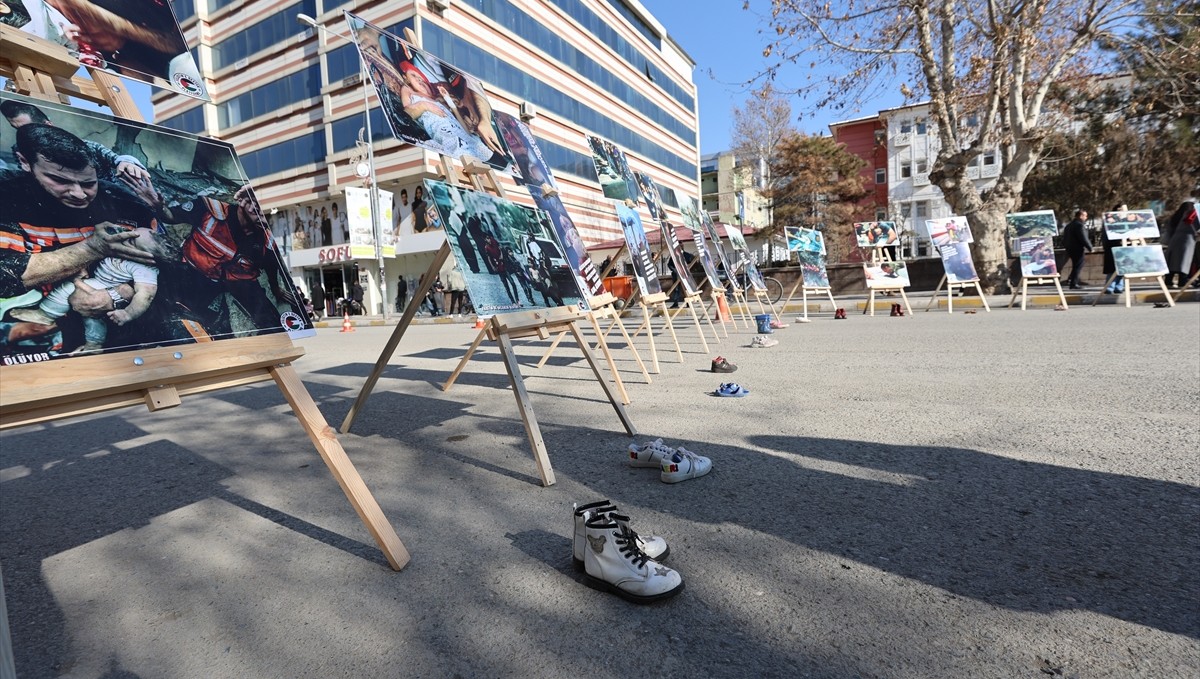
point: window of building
(989, 158)
(905, 170)
(880, 215)
(905, 126)
(592, 23)
(922, 166)
(214, 5)
(191, 120)
(270, 97)
(637, 22)
(184, 9)
(972, 120)
(344, 61)
(667, 194)
(489, 68)
(921, 126)
(905, 210)
(530, 29)
(345, 130)
(262, 35)
(287, 155)
(563, 159)
(880, 175)
(922, 210)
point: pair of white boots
(674, 464)
(618, 560)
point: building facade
(899, 146)
(728, 192)
(291, 101)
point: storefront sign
(337, 253)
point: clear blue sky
(723, 39)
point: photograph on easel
(649, 191)
(958, 263)
(1037, 257)
(612, 171)
(679, 261)
(117, 235)
(639, 249)
(104, 34)
(1130, 224)
(800, 239)
(875, 234)
(691, 214)
(812, 268)
(1035, 224)
(711, 229)
(886, 274)
(754, 275)
(535, 175)
(948, 230)
(428, 102)
(509, 254)
(1140, 260)
(736, 240)
(706, 260)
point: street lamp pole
(373, 188)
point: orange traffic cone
(346, 325)
(722, 310)
(478, 323)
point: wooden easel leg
(1187, 284)
(624, 417)
(699, 328)
(670, 327)
(612, 366)
(649, 336)
(1016, 291)
(629, 342)
(323, 437)
(937, 290)
(540, 457)
(1103, 290)
(904, 297)
(870, 307)
(833, 302)
(462, 362)
(1166, 291)
(389, 349)
(979, 291)
(554, 345)
(721, 317)
(1062, 297)
(708, 319)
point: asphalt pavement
(1003, 494)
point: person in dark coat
(1181, 247)
(318, 300)
(356, 294)
(401, 292)
(1075, 242)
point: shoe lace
(628, 544)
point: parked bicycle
(774, 287)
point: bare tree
(759, 126)
(996, 59)
(817, 186)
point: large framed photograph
(1035, 224)
(649, 192)
(948, 230)
(510, 254)
(711, 230)
(428, 102)
(678, 258)
(958, 263)
(1037, 257)
(706, 260)
(754, 275)
(1140, 260)
(813, 268)
(736, 240)
(881, 275)
(691, 213)
(535, 175)
(639, 249)
(1130, 224)
(875, 234)
(800, 239)
(612, 171)
(135, 39)
(117, 235)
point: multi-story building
(728, 192)
(899, 146)
(291, 101)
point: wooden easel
(1037, 280)
(603, 306)
(692, 302)
(804, 290)
(1183, 288)
(878, 257)
(158, 377)
(951, 287)
(659, 302)
(1135, 242)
